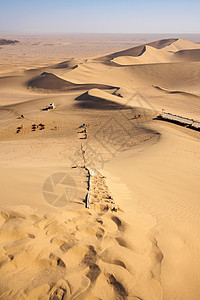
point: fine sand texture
(137, 235)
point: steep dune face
(162, 43)
(49, 81)
(139, 50)
(181, 44)
(148, 56)
(98, 99)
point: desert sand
(139, 239)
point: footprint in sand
(100, 233)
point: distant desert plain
(99, 198)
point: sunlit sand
(68, 111)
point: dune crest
(139, 50)
(181, 44)
(49, 81)
(150, 55)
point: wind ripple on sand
(72, 255)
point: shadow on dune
(69, 64)
(65, 65)
(91, 102)
(191, 55)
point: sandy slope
(149, 55)
(52, 247)
(165, 184)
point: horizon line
(138, 33)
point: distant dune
(149, 55)
(137, 51)
(159, 51)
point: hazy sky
(103, 16)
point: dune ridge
(49, 81)
(137, 51)
(149, 55)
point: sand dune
(181, 44)
(159, 51)
(69, 64)
(187, 55)
(149, 55)
(175, 92)
(99, 99)
(49, 81)
(139, 238)
(172, 197)
(137, 51)
(176, 76)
